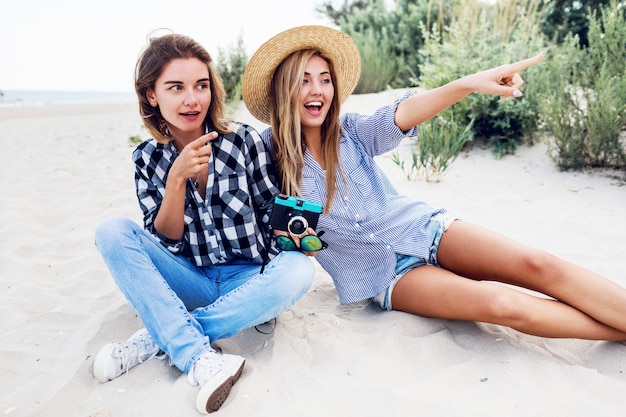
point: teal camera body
(294, 215)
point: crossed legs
(475, 262)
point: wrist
(465, 85)
(175, 179)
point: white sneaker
(216, 374)
(115, 359)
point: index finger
(202, 140)
(525, 63)
(212, 135)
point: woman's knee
(111, 230)
(542, 269)
(508, 308)
(297, 269)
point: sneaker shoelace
(138, 351)
(205, 368)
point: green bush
(576, 95)
(479, 39)
(391, 32)
(134, 140)
(503, 124)
(368, 24)
(439, 143)
(231, 65)
(379, 65)
(585, 108)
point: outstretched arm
(503, 80)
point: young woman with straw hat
(402, 253)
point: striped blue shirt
(369, 221)
(231, 221)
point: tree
(231, 65)
(570, 16)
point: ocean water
(16, 98)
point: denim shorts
(404, 263)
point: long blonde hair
(288, 140)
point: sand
(64, 170)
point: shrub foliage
(231, 64)
(440, 142)
(585, 106)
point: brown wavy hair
(156, 55)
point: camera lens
(297, 225)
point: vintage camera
(294, 215)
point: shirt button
(388, 246)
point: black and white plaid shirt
(231, 222)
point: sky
(83, 45)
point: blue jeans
(185, 307)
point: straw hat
(257, 78)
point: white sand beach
(65, 169)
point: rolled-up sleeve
(150, 188)
(378, 132)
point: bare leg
(587, 306)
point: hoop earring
(164, 128)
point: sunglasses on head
(309, 243)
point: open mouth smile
(313, 107)
(190, 115)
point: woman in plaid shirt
(201, 268)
